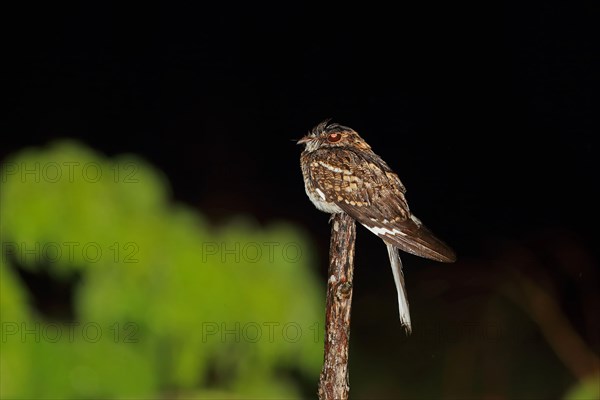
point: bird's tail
(399, 279)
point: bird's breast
(321, 204)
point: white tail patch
(396, 264)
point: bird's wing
(370, 192)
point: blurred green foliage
(588, 389)
(163, 303)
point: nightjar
(342, 174)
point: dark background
(487, 112)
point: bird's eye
(334, 137)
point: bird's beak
(305, 139)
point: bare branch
(333, 383)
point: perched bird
(342, 174)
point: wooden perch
(333, 383)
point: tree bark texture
(333, 383)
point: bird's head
(327, 135)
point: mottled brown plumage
(342, 174)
